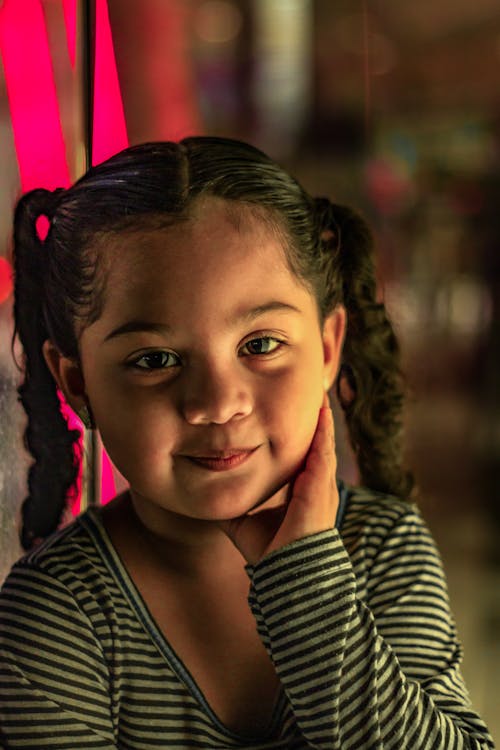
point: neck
(187, 545)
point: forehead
(220, 249)
(219, 220)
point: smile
(222, 463)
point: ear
(333, 338)
(68, 375)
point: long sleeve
(54, 683)
(371, 668)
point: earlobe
(68, 375)
(333, 339)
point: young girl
(195, 305)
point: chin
(226, 509)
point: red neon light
(110, 132)
(36, 123)
(31, 92)
(110, 136)
(5, 279)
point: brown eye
(155, 361)
(262, 345)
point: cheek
(291, 411)
(142, 456)
(135, 431)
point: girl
(194, 304)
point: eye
(262, 345)
(157, 360)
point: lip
(218, 453)
(221, 460)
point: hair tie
(329, 229)
(46, 209)
(42, 226)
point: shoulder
(59, 578)
(55, 641)
(368, 508)
(65, 550)
(376, 525)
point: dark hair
(60, 281)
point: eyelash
(165, 354)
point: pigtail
(46, 437)
(370, 383)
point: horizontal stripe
(356, 621)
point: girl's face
(208, 348)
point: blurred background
(391, 107)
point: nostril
(217, 409)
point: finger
(324, 437)
(329, 445)
(320, 463)
(330, 425)
(314, 496)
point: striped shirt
(356, 620)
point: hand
(311, 508)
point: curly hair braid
(371, 353)
(47, 437)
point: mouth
(222, 460)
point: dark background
(393, 107)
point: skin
(195, 281)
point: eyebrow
(242, 316)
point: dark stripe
(356, 619)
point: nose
(213, 396)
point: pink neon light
(5, 279)
(31, 91)
(110, 136)
(36, 123)
(69, 7)
(110, 132)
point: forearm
(343, 680)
